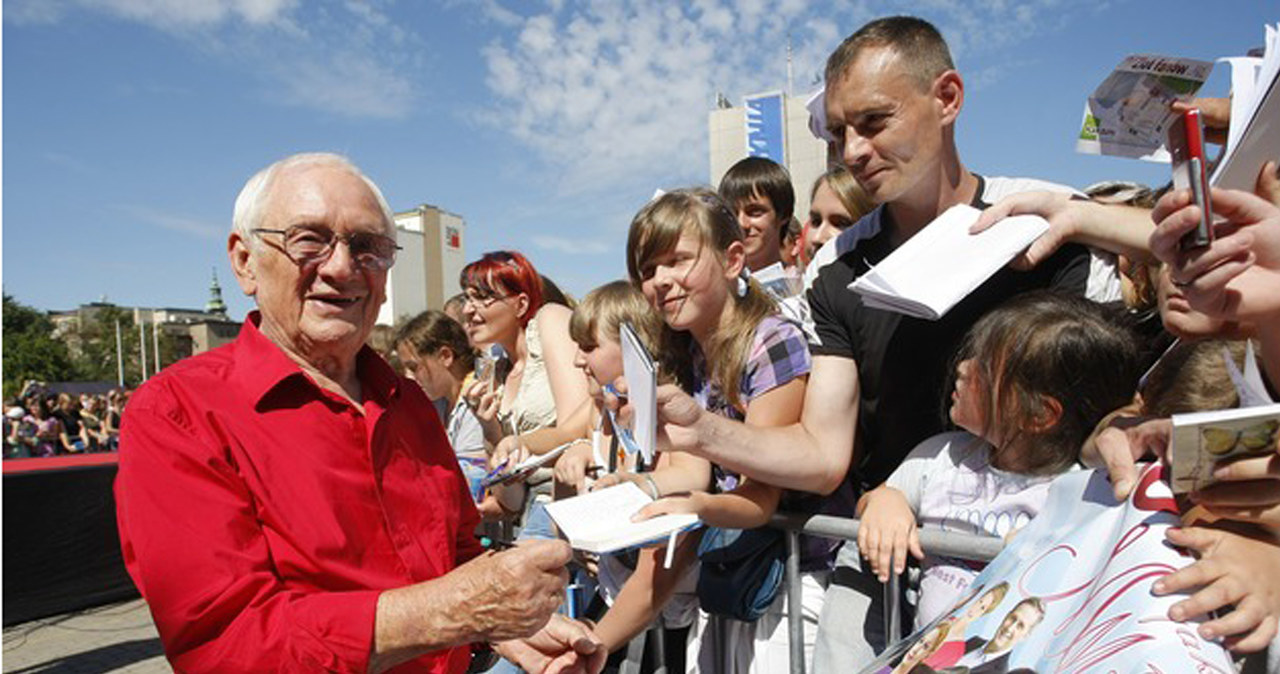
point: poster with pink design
(1071, 593)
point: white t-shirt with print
(951, 485)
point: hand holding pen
(615, 405)
(680, 417)
(576, 466)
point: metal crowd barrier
(933, 541)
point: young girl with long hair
(1032, 379)
(727, 345)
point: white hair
(253, 196)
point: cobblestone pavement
(111, 638)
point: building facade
(432, 255)
(771, 125)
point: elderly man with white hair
(287, 503)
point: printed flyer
(1129, 113)
(1072, 594)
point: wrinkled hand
(562, 646)
(511, 594)
(1249, 490)
(672, 504)
(1236, 276)
(1234, 569)
(571, 467)
(1063, 213)
(887, 532)
(1119, 444)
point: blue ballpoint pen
(624, 434)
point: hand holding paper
(943, 262)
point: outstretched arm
(812, 455)
(1122, 230)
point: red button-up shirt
(261, 516)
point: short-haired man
(287, 503)
(892, 100)
(992, 656)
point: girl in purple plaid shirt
(731, 350)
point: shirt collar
(261, 366)
(870, 225)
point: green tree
(30, 349)
(95, 346)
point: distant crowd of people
(38, 423)
(327, 511)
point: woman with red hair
(537, 399)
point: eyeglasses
(481, 301)
(308, 246)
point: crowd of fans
(746, 309)
(780, 390)
(38, 423)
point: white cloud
(489, 10)
(164, 14)
(618, 93)
(347, 58)
(194, 13)
(354, 83)
(34, 11)
(571, 246)
(177, 223)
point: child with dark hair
(759, 192)
(433, 350)
(1032, 379)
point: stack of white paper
(943, 262)
(600, 521)
(1254, 136)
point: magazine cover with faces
(1071, 593)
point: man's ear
(242, 264)
(948, 91)
(735, 259)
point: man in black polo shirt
(875, 390)
(892, 100)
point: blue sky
(130, 125)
